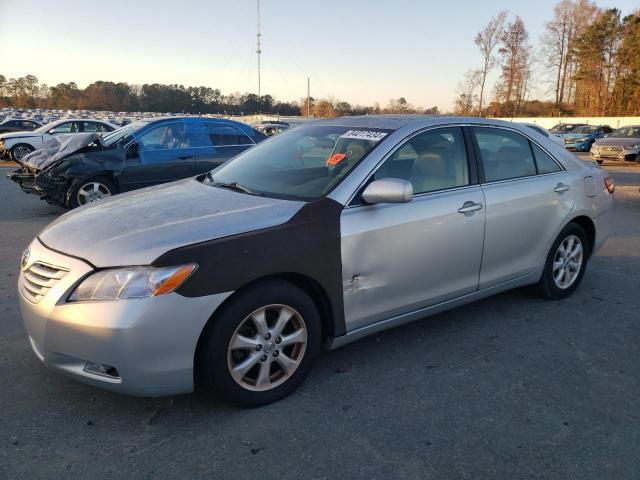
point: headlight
(133, 282)
(632, 147)
(583, 139)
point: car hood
(617, 141)
(578, 135)
(58, 147)
(137, 227)
(14, 135)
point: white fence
(548, 122)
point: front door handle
(187, 157)
(561, 187)
(469, 207)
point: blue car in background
(581, 138)
(74, 170)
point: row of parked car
(74, 161)
(43, 116)
(601, 140)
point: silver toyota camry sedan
(336, 229)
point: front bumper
(150, 342)
(616, 153)
(26, 180)
(52, 189)
(578, 146)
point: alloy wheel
(92, 192)
(21, 151)
(267, 347)
(567, 262)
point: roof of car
(394, 122)
(150, 120)
(62, 120)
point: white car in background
(19, 144)
(545, 133)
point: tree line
(27, 92)
(587, 60)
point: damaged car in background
(77, 169)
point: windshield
(564, 127)
(624, 132)
(113, 137)
(304, 163)
(584, 129)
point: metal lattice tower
(258, 51)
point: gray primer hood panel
(136, 228)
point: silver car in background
(621, 144)
(324, 234)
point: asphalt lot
(512, 387)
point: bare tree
(467, 92)
(487, 40)
(515, 52)
(570, 19)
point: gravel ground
(511, 387)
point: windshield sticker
(335, 159)
(364, 135)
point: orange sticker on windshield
(335, 159)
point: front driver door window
(65, 127)
(163, 155)
(398, 258)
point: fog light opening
(101, 369)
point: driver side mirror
(388, 190)
(52, 131)
(132, 150)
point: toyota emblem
(25, 258)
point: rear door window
(90, 127)
(227, 135)
(505, 154)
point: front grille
(609, 149)
(38, 279)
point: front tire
(91, 190)
(19, 151)
(565, 264)
(261, 345)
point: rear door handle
(561, 187)
(469, 207)
(187, 157)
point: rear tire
(565, 264)
(91, 190)
(250, 358)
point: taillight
(609, 184)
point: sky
(360, 51)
